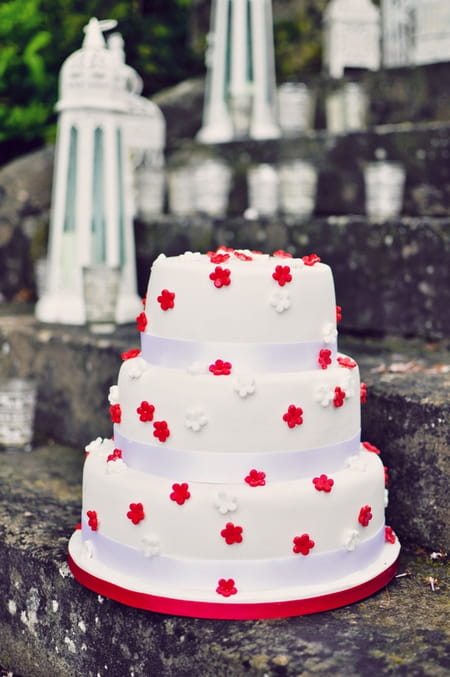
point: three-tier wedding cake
(235, 484)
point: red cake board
(232, 610)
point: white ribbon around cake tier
(232, 467)
(258, 357)
(249, 575)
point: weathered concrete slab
(406, 414)
(50, 625)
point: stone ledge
(51, 625)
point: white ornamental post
(92, 207)
(240, 95)
(351, 36)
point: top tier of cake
(239, 296)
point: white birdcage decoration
(351, 36)
(102, 120)
(398, 26)
(240, 96)
(432, 33)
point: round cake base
(276, 604)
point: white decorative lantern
(398, 32)
(298, 188)
(295, 108)
(346, 109)
(102, 119)
(432, 35)
(240, 97)
(351, 36)
(263, 184)
(384, 186)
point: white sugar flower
(150, 545)
(386, 498)
(244, 385)
(329, 333)
(197, 368)
(225, 502)
(323, 394)
(356, 463)
(137, 366)
(280, 300)
(348, 384)
(113, 395)
(192, 256)
(195, 418)
(116, 466)
(95, 445)
(352, 539)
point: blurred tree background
(164, 41)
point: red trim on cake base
(232, 610)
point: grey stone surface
(406, 414)
(51, 625)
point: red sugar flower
(389, 535)
(166, 299)
(282, 254)
(303, 544)
(136, 513)
(323, 483)
(256, 478)
(117, 453)
(180, 493)
(92, 519)
(145, 411)
(218, 257)
(226, 587)
(311, 259)
(242, 256)
(346, 362)
(371, 447)
(338, 314)
(141, 322)
(293, 416)
(386, 475)
(129, 354)
(339, 397)
(116, 413)
(363, 393)
(220, 368)
(220, 277)
(324, 358)
(231, 533)
(365, 515)
(282, 274)
(161, 430)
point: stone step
(406, 414)
(51, 625)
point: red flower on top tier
(242, 256)
(293, 416)
(303, 544)
(386, 475)
(389, 535)
(323, 483)
(311, 259)
(226, 587)
(324, 358)
(220, 368)
(136, 513)
(116, 455)
(180, 493)
(282, 274)
(338, 314)
(92, 519)
(145, 411)
(371, 447)
(166, 299)
(141, 322)
(232, 533)
(161, 430)
(339, 397)
(256, 478)
(115, 412)
(218, 257)
(365, 515)
(346, 362)
(282, 254)
(220, 277)
(363, 393)
(129, 354)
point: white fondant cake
(235, 484)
